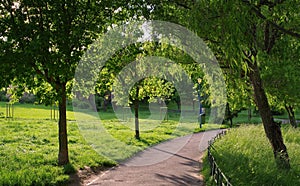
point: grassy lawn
(29, 145)
(31, 111)
(246, 157)
(114, 137)
(256, 119)
(29, 142)
(28, 153)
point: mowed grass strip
(246, 157)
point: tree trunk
(136, 114)
(249, 114)
(63, 155)
(178, 105)
(291, 114)
(272, 129)
(229, 115)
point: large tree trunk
(63, 155)
(272, 129)
(291, 114)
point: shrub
(81, 104)
(3, 96)
(27, 98)
(99, 101)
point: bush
(81, 104)
(27, 98)
(3, 96)
(99, 101)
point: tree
(44, 40)
(281, 78)
(240, 32)
(150, 88)
(147, 87)
(244, 31)
(144, 78)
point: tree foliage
(240, 33)
(44, 40)
(281, 77)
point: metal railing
(216, 173)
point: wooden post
(53, 112)
(9, 110)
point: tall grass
(245, 156)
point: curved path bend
(181, 168)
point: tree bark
(291, 114)
(229, 115)
(63, 153)
(249, 114)
(272, 129)
(136, 114)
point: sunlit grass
(32, 111)
(246, 157)
(28, 153)
(29, 142)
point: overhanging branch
(286, 31)
(280, 28)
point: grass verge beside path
(246, 157)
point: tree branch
(286, 31)
(269, 3)
(183, 5)
(260, 15)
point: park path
(179, 168)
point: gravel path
(163, 164)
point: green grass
(246, 157)
(32, 111)
(256, 119)
(29, 145)
(28, 153)
(243, 118)
(285, 115)
(115, 138)
(29, 142)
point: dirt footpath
(160, 164)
